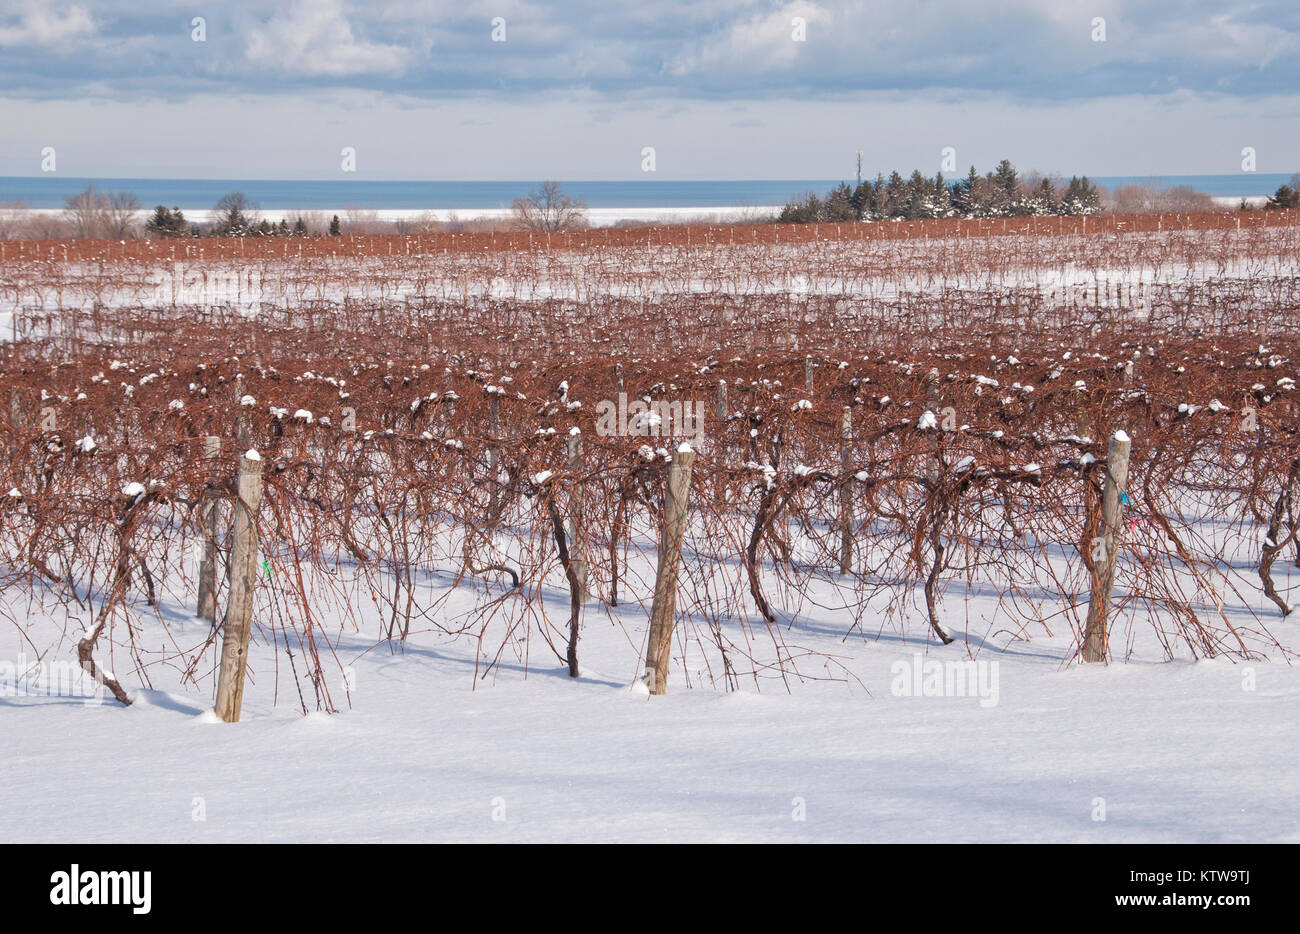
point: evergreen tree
(300, 228)
(863, 201)
(335, 228)
(963, 193)
(232, 224)
(1285, 198)
(234, 221)
(916, 204)
(839, 204)
(165, 223)
(1081, 197)
(940, 197)
(160, 223)
(895, 196)
(1006, 178)
(878, 197)
(806, 211)
(1040, 202)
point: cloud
(682, 50)
(315, 38)
(760, 42)
(41, 25)
(717, 86)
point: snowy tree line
(1000, 193)
(235, 216)
(116, 215)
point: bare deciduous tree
(1185, 198)
(120, 215)
(1146, 199)
(92, 213)
(87, 212)
(549, 208)
(40, 225)
(13, 217)
(358, 220)
(234, 200)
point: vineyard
(883, 431)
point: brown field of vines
(883, 412)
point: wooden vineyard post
(846, 492)
(1104, 548)
(808, 372)
(1083, 421)
(493, 455)
(720, 410)
(237, 626)
(207, 608)
(664, 608)
(933, 466)
(241, 417)
(577, 539)
(752, 422)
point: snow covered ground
(1015, 745)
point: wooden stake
(1104, 548)
(846, 492)
(237, 626)
(207, 608)
(241, 416)
(721, 410)
(663, 610)
(577, 540)
(494, 427)
(1083, 421)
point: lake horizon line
(50, 191)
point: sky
(719, 89)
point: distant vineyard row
(383, 245)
